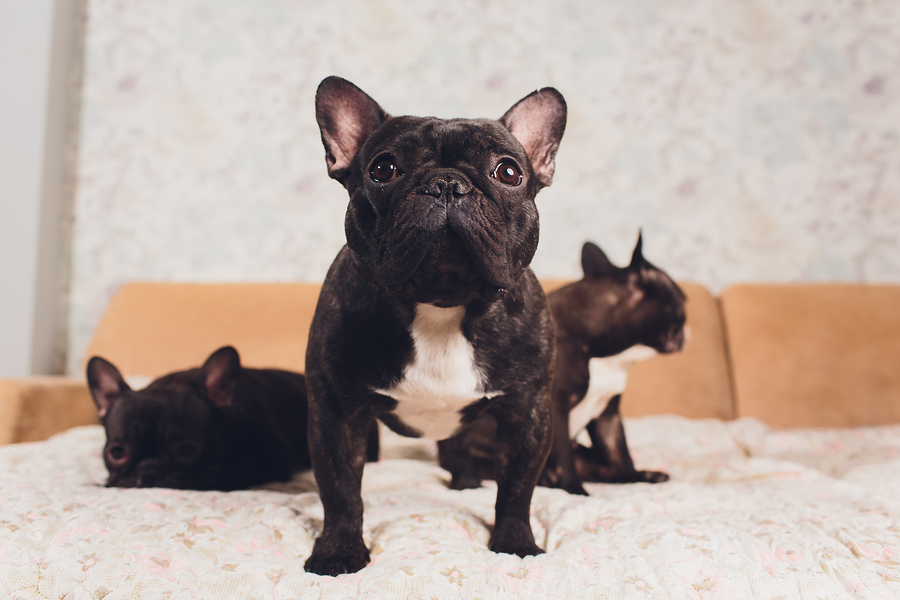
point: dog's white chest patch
(608, 378)
(442, 377)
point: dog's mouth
(676, 339)
(447, 274)
(205, 478)
(447, 250)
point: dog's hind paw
(652, 476)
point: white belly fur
(608, 378)
(442, 377)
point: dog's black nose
(147, 473)
(447, 185)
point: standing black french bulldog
(430, 316)
(217, 427)
(605, 322)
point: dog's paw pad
(520, 550)
(516, 540)
(336, 564)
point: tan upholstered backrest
(694, 382)
(810, 355)
(150, 329)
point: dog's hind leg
(469, 456)
(372, 441)
(608, 460)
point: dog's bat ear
(105, 383)
(347, 116)
(594, 262)
(538, 121)
(637, 257)
(220, 375)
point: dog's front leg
(560, 469)
(608, 460)
(337, 446)
(524, 444)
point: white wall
(34, 101)
(753, 140)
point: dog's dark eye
(117, 454)
(185, 450)
(383, 170)
(507, 173)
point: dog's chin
(673, 341)
(445, 285)
(447, 276)
(203, 481)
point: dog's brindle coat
(430, 317)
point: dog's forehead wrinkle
(457, 138)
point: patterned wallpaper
(753, 140)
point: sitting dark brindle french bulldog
(430, 316)
(605, 322)
(217, 427)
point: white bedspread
(749, 513)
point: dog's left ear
(538, 121)
(637, 257)
(347, 116)
(220, 374)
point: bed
(750, 512)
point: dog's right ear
(105, 382)
(220, 375)
(594, 262)
(347, 116)
(637, 257)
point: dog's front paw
(518, 540)
(574, 487)
(550, 478)
(464, 481)
(652, 476)
(334, 559)
(555, 478)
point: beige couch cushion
(34, 408)
(150, 329)
(153, 328)
(694, 382)
(825, 355)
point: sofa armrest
(34, 408)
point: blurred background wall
(39, 87)
(752, 140)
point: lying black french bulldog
(604, 323)
(430, 316)
(217, 427)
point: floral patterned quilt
(749, 513)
